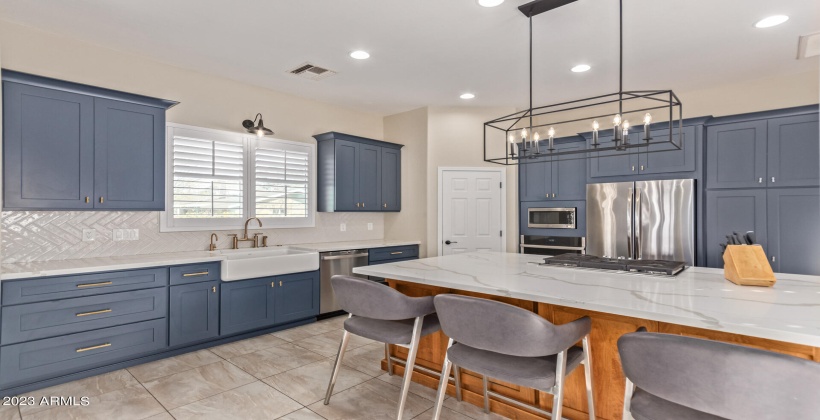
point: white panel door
(471, 216)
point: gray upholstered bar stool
(506, 342)
(383, 314)
(676, 377)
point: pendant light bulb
(523, 133)
(625, 126)
(511, 138)
(595, 125)
(260, 133)
(617, 120)
(535, 136)
(551, 132)
(647, 118)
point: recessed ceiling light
(467, 96)
(490, 3)
(360, 55)
(580, 68)
(771, 21)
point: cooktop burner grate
(669, 268)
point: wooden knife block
(747, 265)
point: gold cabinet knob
(87, 200)
(280, 283)
(272, 284)
(102, 200)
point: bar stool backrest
(725, 380)
(369, 299)
(503, 328)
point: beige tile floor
(274, 376)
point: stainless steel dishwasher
(333, 263)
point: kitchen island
(698, 302)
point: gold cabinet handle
(98, 346)
(553, 195)
(87, 199)
(633, 168)
(200, 273)
(280, 283)
(397, 253)
(272, 284)
(102, 200)
(357, 204)
(102, 283)
(385, 205)
(102, 311)
(641, 167)
(363, 202)
(213, 289)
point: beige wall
(410, 129)
(206, 101)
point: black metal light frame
(648, 100)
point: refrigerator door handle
(638, 224)
(629, 223)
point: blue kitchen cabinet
(612, 162)
(296, 296)
(391, 179)
(129, 156)
(793, 150)
(569, 175)
(357, 174)
(69, 146)
(246, 305)
(793, 229)
(193, 312)
(736, 155)
(553, 178)
(730, 211)
(664, 157)
(534, 179)
(48, 148)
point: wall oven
(551, 217)
(552, 245)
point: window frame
(167, 222)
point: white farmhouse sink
(240, 264)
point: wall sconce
(259, 129)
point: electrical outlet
(133, 234)
(89, 234)
(119, 235)
(343, 227)
(370, 226)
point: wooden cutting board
(747, 265)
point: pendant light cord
(530, 110)
(620, 57)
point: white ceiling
(428, 52)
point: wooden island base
(607, 377)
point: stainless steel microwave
(551, 217)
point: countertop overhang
(697, 297)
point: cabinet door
(664, 158)
(391, 179)
(793, 151)
(129, 156)
(369, 177)
(246, 305)
(613, 162)
(347, 186)
(296, 297)
(733, 211)
(569, 176)
(48, 148)
(736, 155)
(534, 179)
(794, 229)
(193, 312)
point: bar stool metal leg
(443, 382)
(558, 395)
(457, 374)
(408, 367)
(630, 388)
(336, 366)
(389, 361)
(588, 376)
(486, 396)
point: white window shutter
(208, 178)
(282, 174)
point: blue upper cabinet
(556, 178)
(129, 158)
(534, 179)
(569, 175)
(358, 174)
(76, 147)
(48, 148)
(736, 155)
(658, 158)
(793, 150)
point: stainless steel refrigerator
(651, 220)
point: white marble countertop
(697, 297)
(18, 271)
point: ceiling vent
(808, 46)
(312, 72)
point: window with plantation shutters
(218, 179)
(282, 178)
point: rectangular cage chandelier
(614, 124)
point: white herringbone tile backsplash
(57, 235)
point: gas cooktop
(669, 268)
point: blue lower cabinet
(296, 296)
(193, 313)
(33, 361)
(246, 305)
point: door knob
(448, 242)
